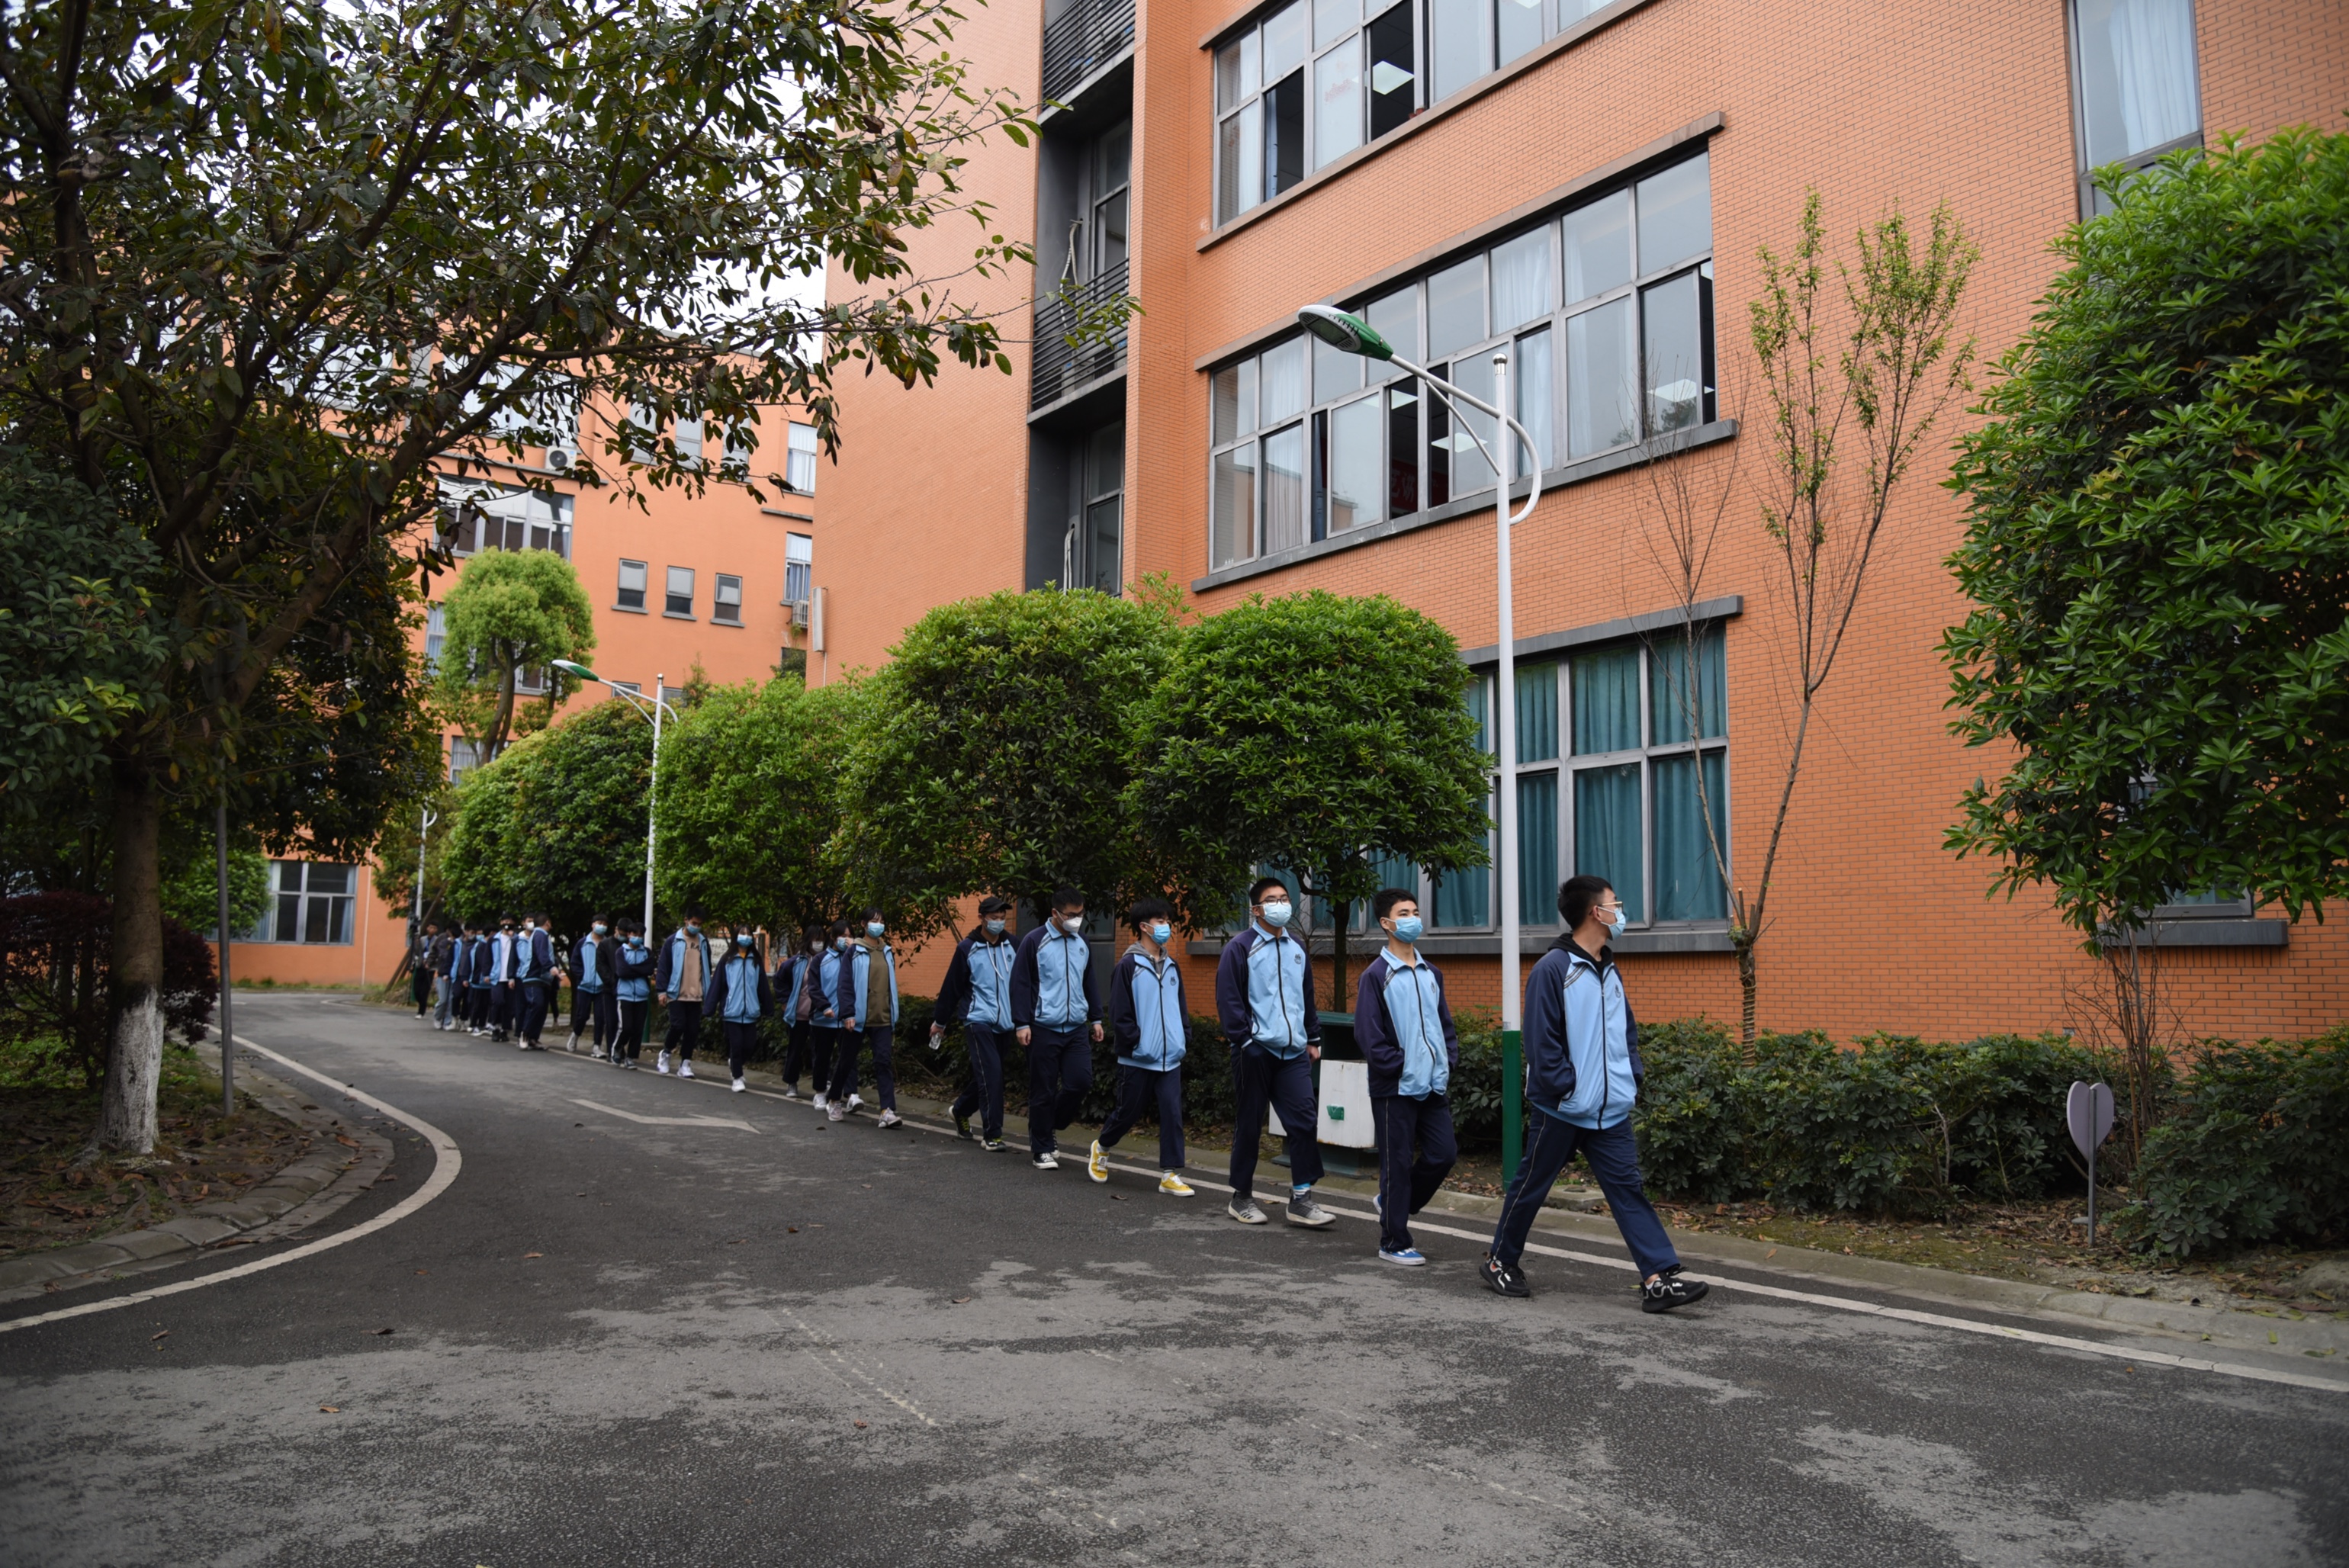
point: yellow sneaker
(1176, 1186)
(1097, 1163)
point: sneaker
(1304, 1210)
(740, 1086)
(660, 1064)
(993, 1145)
(524, 1044)
(1504, 1279)
(1174, 1186)
(631, 1065)
(792, 1091)
(821, 1103)
(854, 1101)
(835, 1114)
(684, 1067)
(572, 1044)
(1668, 1290)
(1245, 1210)
(962, 1127)
(890, 1118)
(1410, 1257)
(1097, 1162)
(1048, 1161)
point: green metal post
(1513, 1102)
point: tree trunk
(1345, 912)
(1747, 984)
(134, 1059)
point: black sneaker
(962, 1129)
(1668, 1290)
(1504, 1279)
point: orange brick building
(1585, 185)
(725, 581)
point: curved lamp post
(1355, 335)
(651, 707)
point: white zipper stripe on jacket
(1420, 993)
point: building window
(464, 756)
(725, 601)
(799, 459)
(530, 680)
(1092, 551)
(799, 568)
(632, 585)
(435, 635)
(1605, 310)
(1361, 60)
(1622, 757)
(680, 591)
(313, 904)
(2135, 86)
(488, 517)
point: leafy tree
(993, 751)
(2158, 548)
(273, 270)
(557, 822)
(747, 810)
(192, 891)
(511, 610)
(1316, 734)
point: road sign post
(2088, 1110)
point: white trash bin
(1345, 1119)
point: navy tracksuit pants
(1138, 1089)
(844, 1070)
(532, 996)
(1059, 1073)
(1285, 1083)
(1416, 1153)
(983, 1097)
(1614, 1156)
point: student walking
(1403, 1024)
(420, 966)
(1055, 1014)
(631, 990)
(1264, 994)
(446, 954)
(1146, 1015)
(740, 996)
(795, 986)
(681, 980)
(591, 968)
(501, 980)
(868, 1014)
(478, 986)
(976, 993)
(534, 975)
(824, 1018)
(1582, 1079)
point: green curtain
(1687, 881)
(1607, 832)
(1464, 899)
(1537, 849)
(1480, 708)
(1536, 712)
(1669, 670)
(1607, 701)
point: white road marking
(446, 1163)
(668, 1120)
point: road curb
(308, 1189)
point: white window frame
(798, 457)
(799, 568)
(669, 594)
(642, 588)
(725, 611)
(294, 906)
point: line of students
(496, 984)
(838, 998)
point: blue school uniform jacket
(1403, 1024)
(672, 963)
(978, 987)
(1263, 993)
(1052, 981)
(738, 991)
(477, 963)
(1582, 1044)
(632, 968)
(1146, 1010)
(861, 983)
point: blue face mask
(742, 941)
(1276, 915)
(874, 928)
(995, 928)
(601, 928)
(1160, 932)
(1407, 929)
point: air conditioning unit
(557, 459)
(799, 608)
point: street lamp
(1354, 335)
(653, 709)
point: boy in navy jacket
(1264, 994)
(682, 981)
(795, 985)
(866, 998)
(1403, 1024)
(739, 997)
(533, 977)
(1582, 1078)
(976, 993)
(1056, 1015)
(477, 982)
(631, 990)
(823, 1021)
(1146, 1020)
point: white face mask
(1276, 915)
(1074, 925)
(995, 928)
(1615, 926)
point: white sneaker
(684, 1066)
(819, 1103)
(740, 1086)
(854, 1101)
(572, 1044)
(793, 1092)
(661, 1064)
(890, 1118)
(835, 1114)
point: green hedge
(2255, 1149)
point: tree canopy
(557, 824)
(2158, 548)
(1314, 734)
(510, 610)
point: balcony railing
(1060, 366)
(1082, 40)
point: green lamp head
(1338, 330)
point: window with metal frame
(798, 457)
(477, 517)
(1605, 310)
(799, 568)
(631, 586)
(2135, 88)
(679, 599)
(312, 903)
(726, 601)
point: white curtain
(2153, 56)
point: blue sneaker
(1410, 1257)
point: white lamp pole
(655, 707)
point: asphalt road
(756, 1338)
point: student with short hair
(503, 957)
(824, 1022)
(795, 984)
(1147, 1019)
(976, 993)
(591, 989)
(632, 991)
(420, 966)
(533, 977)
(1402, 1022)
(682, 982)
(738, 999)
(868, 1009)
(1056, 1015)
(1264, 994)
(447, 987)
(1582, 1079)
(478, 982)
